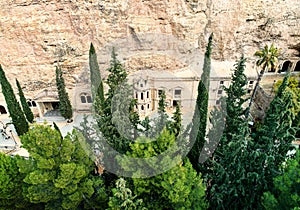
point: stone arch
(297, 67)
(285, 66)
(2, 110)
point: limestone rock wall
(36, 35)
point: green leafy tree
(27, 111)
(267, 60)
(293, 88)
(11, 184)
(65, 106)
(59, 171)
(123, 198)
(287, 187)
(96, 80)
(198, 131)
(178, 188)
(15, 111)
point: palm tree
(268, 60)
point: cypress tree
(176, 124)
(96, 80)
(65, 107)
(198, 131)
(27, 111)
(15, 111)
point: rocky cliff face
(37, 35)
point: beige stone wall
(36, 35)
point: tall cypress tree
(15, 111)
(27, 111)
(65, 106)
(198, 131)
(96, 80)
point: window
(160, 92)
(217, 102)
(31, 103)
(89, 99)
(251, 82)
(177, 93)
(221, 82)
(136, 95)
(220, 91)
(142, 96)
(85, 98)
(249, 91)
(148, 106)
(147, 94)
(141, 85)
(142, 107)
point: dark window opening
(175, 103)
(285, 66)
(33, 103)
(148, 106)
(89, 99)
(251, 82)
(220, 91)
(142, 107)
(136, 95)
(147, 94)
(218, 102)
(141, 85)
(3, 110)
(142, 96)
(221, 82)
(297, 67)
(249, 91)
(83, 99)
(160, 92)
(178, 92)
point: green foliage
(294, 90)
(198, 131)
(178, 188)
(96, 80)
(27, 111)
(15, 111)
(123, 198)
(65, 106)
(232, 182)
(59, 171)
(287, 187)
(11, 183)
(176, 124)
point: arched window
(285, 66)
(148, 106)
(297, 67)
(3, 110)
(85, 98)
(31, 103)
(142, 96)
(142, 107)
(147, 94)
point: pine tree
(178, 188)
(27, 111)
(198, 131)
(65, 106)
(15, 111)
(231, 183)
(273, 139)
(176, 124)
(59, 171)
(96, 80)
